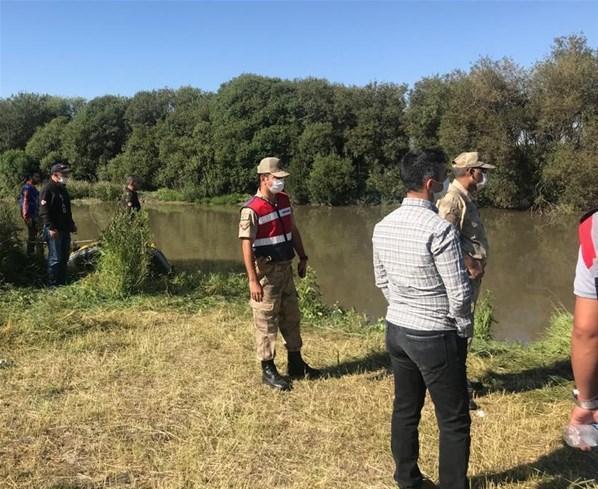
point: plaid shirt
(419, 267)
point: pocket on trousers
(265, 307)
(429, 352)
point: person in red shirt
(584, 340)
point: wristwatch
(590, 405)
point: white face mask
(277, 186)
(439, 195)
(482, 184)
(63, 180)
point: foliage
(487, 111)
(331, 180)
(105, 191)
(484, 318)
(45, 145)
(15, 165)
(124, 264)
(95, 135)
(537, 126)
(565, 104)
(384, 186)
(12, 257)
(140, 157)
(311, 301)
(22, 114)
(428, 101)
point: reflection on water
(530, 270)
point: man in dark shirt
(57, 222)
(130, 197)
(29, 204)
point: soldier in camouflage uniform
(459, 208)
(270, 239)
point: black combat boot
(298, 369)
(271, 377)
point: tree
(332, 180)
(428, 101)
(96, 135)
(488, 111)
(149, 108)
(378, 139)
(45, 145)
(22, 114)
(140, 158)
(317, 139)
(15, 165)
(180, 146)
(252, 117)
(565, 104)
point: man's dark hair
(29, 175)
(419, 166)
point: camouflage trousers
(278, 310)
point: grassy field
(162, 390)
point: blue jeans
(432, 360)
(59, 250)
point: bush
(79, 189)
(384, 186)
(15, 164)
(105, 191)
(124, 263)
(484, 318)
(12, 257)
(169, 195)
(570, 178)
(311, 302)
(331, 181)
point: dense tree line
(539, 126)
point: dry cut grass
(167, 399)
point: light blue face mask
(277, 186)
(440, 194)
(482, 184)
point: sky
(90, 48)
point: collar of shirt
(413, 202)
(262, 196)
(457, 184)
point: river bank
(161, 390)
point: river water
(529, 274)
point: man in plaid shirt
(419, 267)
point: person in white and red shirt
(584, 340)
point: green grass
(484, 318)
(124, 264)
(104, 191)
(161, 389)
(192, 195)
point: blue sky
(90, 48)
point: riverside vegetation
(132, 381)
(538, 125)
